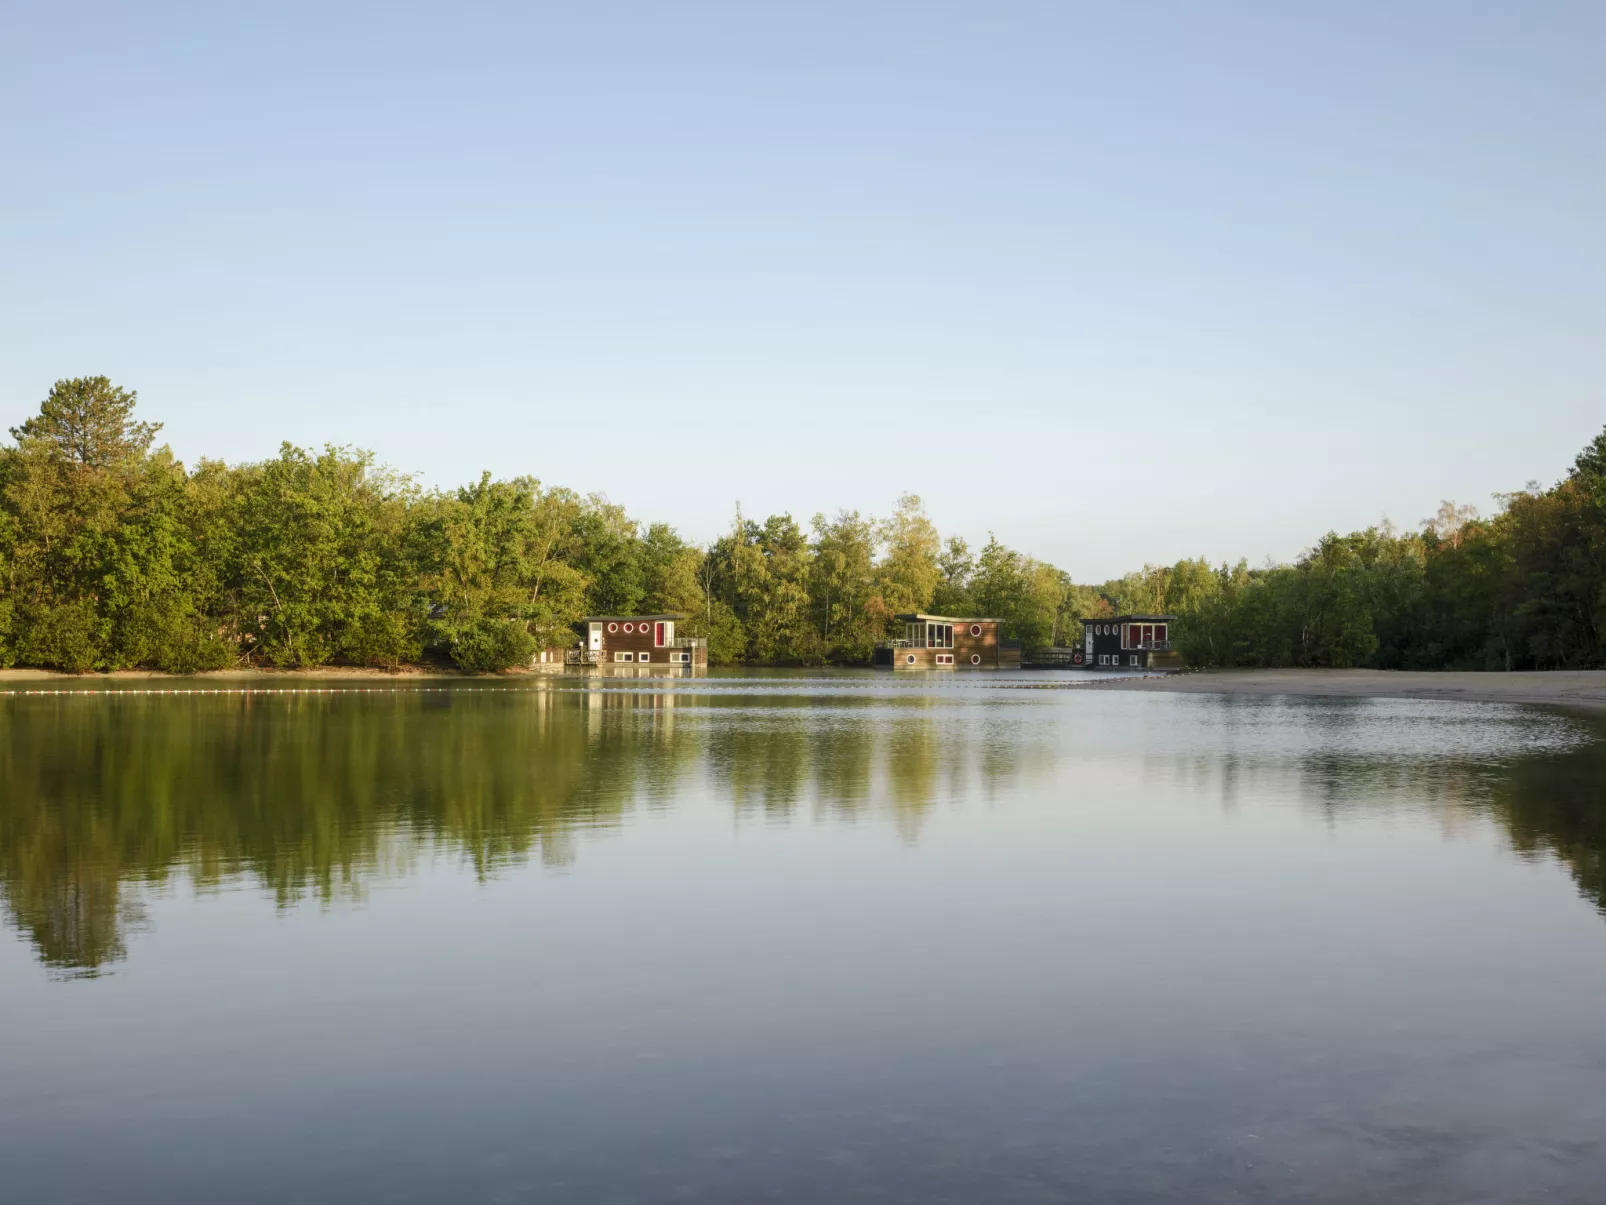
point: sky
(1119, 283)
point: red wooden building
(635, 640)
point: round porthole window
(613, 627)
(910, 659)
(975, 658)
(975, 629)
(630, 627)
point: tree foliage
(114, 555)
(1523, 589)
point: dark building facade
(1128, 642)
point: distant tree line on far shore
(114, 555)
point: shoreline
(1584, 688)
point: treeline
(1524, 589)
(113, 555)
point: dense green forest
(1525, 589)
(114, 555)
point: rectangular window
(643, 656)
(623, 657)
(1159, 632)
(945, 658)
(1133, 659)
(939, 635)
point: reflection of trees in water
(1548, 802)
(314, 796)
(853, 758)
(1557, 804)
(759, 755)
(309, 795)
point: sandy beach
(1574, 688)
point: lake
(800, 938)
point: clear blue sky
(1119, 282)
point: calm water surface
(799, 939)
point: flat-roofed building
(634, 640)
(1128, 642)
(947, 642)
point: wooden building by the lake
(617, 641)
(946, 642)
(1128, 642)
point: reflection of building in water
(602, 702)
(636, 645)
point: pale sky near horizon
(1120, 283)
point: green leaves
(484, 646)
(1523, 590)
(317, 560)
(113, 556)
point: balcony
(581, 657)
(1161, 646)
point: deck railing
(581, 657)
(689, 642)
(1156, 645)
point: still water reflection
(815, 939)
